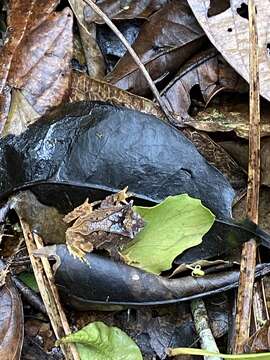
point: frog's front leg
(77, 244)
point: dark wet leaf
(92, 144)
(110, 45)
(229, 32)
(101, 342)
(11, 322)
(90, 284)
(124, 9)
(165, 42)
(206, 70)
(85, 88)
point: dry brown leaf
(218, 157)
(216, 119)
(207, 70)
(239, 151)
(260, 341)
(36, 57)
(94, 58)
(83, 87)
(228, 31)
(42, 66)
(20, 116)
(164, 43)
(11, 322)
(123, 10)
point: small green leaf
(97, 341)
(176, 224)
(29, 279)
(199, 352)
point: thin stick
(50, 277)
(202, 327)
(248, 260)
(46, 293)
(134, 56)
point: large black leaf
(105, 282)
(92, 144)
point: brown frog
(107, 227)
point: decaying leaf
(111, 147)
(165, 41)
(229, 32)
(101, 342)
(220, 158)
(108, 227)
(260, 340)
(176, 224)
(93, 55)
(20, 116)
(83, 87)
(239, 151)
(11, 322)
(42, 68)
(99, 280)
(45, 221)
(215, 119)
(206, 70)
(36, 57)
(123, 10)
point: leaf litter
(94, 149)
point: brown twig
(134, 56)
(47, 292)
(248, 260)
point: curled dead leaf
(165, 41)
(210, 73)
(11, 322)
(127, 9)
(228, 31)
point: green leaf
(29, 279)
(199, 352)
(97, 341)
(176, 224)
